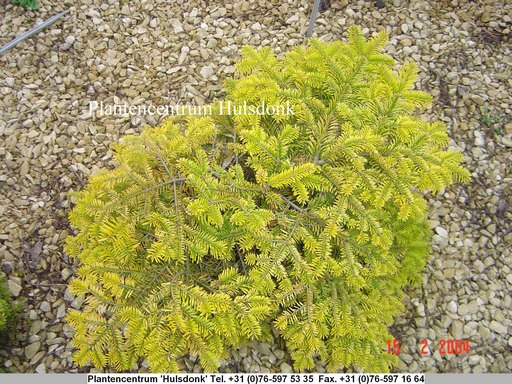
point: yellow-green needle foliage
(214, 229)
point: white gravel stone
(452, 306)
(177, 26)
(442, 232)
(506, 142)
(207, 72)
(292, 19)
(479, 266)
(41, 368)
(32, 315)
(479, 139)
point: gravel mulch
(167, 51)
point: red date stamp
(393, 346)
(444, 346)
(447, 347)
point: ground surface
(164, 51)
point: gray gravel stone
(457, 329)
(468, 309)
(14, 285)
(498, 327)
(32, 349)
(45, 306)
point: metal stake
(34, 30)
(312, 20)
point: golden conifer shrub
(212, 230)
